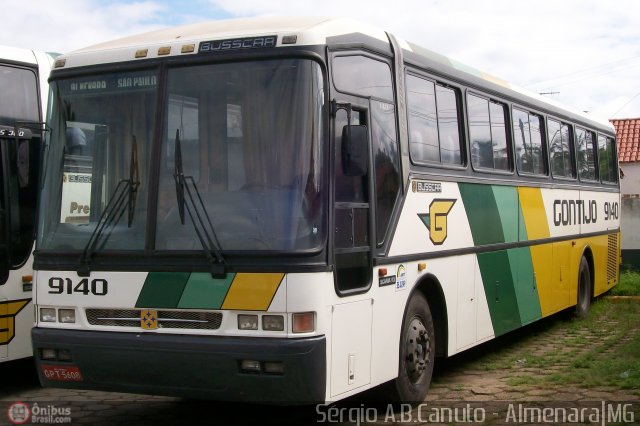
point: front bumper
(206, 367)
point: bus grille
(612, 257)
(188, 320)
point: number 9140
(97, 286)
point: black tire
(584, 289)
(417, 353)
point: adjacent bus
(23, 94)
(296, 210)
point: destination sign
(216, 46)
(111, 82)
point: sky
(582, 53)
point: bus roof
(308, 31)
(186, 40)
(17, 54)
(36, 58)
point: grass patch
(613, 359)
(629, 284)
(602, 349)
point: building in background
(628, 136)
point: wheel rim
(418, 350)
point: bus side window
(386, 164)
(362, 76)
(561, 149)
(527, 132)
(488, 134)
(607, 159)
(586, 154)
(434, 134)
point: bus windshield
(250, 138)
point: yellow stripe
(542, 259)
(252, 292)
(535, 220)
(535, 216)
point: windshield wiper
(123, 197)
(197, 213)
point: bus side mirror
(355, 149)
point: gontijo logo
(10, 310)
(436, 219)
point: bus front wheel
(417, 352)
(584, 289)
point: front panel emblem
(436, 219)
(149, 319)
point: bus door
(19, 164)
(351, 320)
(352, 243)
(20, 143)
(19, 160)
(367, 186)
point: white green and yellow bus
(23, 77)
(295, 210)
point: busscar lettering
(426, 187)
(238, 44)
(574, 212)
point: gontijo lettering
(574, 212)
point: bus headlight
(272, 322)
(48, 354)
(247, 322)
(47, 315)
(67, 316)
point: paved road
(464, 382)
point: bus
(294, 210)
(23, 76)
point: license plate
(62, 373)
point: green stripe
(162, 290)
(522, 228)
(482, 212)
(507, 208)
(204, 292)
(499, 290)
(525, 285)
(495, 216)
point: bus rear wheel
(417, 352)
(584, 289)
